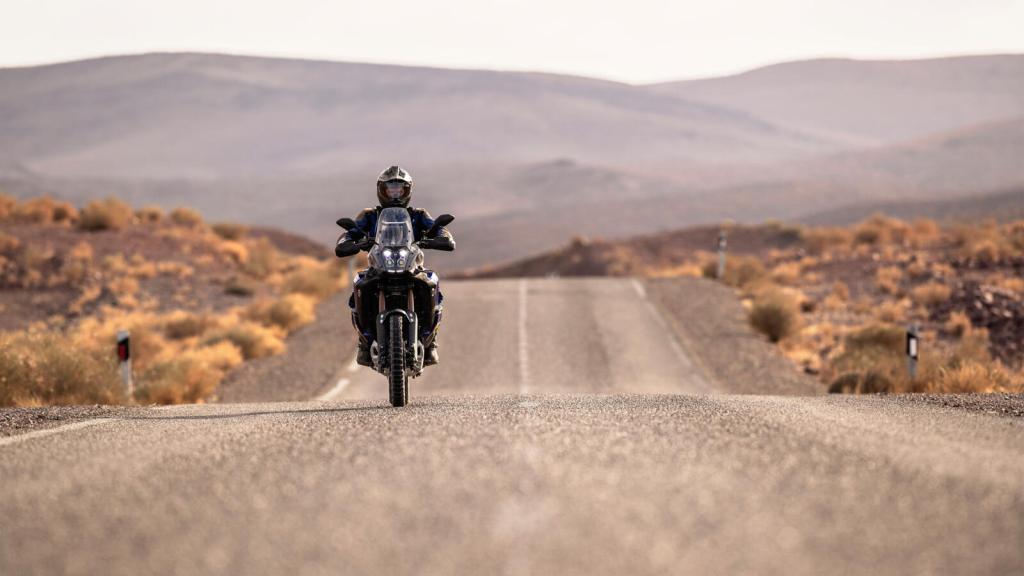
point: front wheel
(398, 382)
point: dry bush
(985, 243)
(881, 229)
(176, 269)
(186, 217)
(958, 325)
(740, 270)
(77, 263)
(150, 214)
(891, 311)
(918, 269)
(241, 286)
(177, 381)
(820, 240)
(1012, 284)
(930, 294)
(975, 377)
(181, 325)
(841, 291)
(313, 279)
(48, 369)
(8, 244)
(234, 250)
(888, 279)
(107, 214)
(924, 232)
(252, 339)
(288, 313)
(787, 273)
(230, 231)
(44, 210)
(264, 259)
(776, 314)
(7, 204)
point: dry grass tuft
(930, 294)
(150, 214)
(888, 279)
(289, 313)
(740, 271)
(776, 314)
(264, 259)
(230, 231)
(234, 250)
(312, 278)
(49, 369)
(252, 339)
(108, 214)
(181, 325)
(186, 217)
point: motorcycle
(401, 294)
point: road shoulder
(711, 324)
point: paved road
(548, 336)
(593, 480)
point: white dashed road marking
(524, 352)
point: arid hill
(872, 102)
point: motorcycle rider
(394, 189)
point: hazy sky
(632, 40)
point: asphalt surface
(572, 462)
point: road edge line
(19, 438)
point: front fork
(412, 335)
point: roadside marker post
(124, 357)
(913, 350)
(722, 244)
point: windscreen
(394, 228)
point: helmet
(394, 187)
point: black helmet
(394, 187)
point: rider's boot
(363, 354)
(430, 356)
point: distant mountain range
(524, 160)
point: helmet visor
(395, 189)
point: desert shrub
(7, 203)
(930, 294)
(775, 314)
(973, 377)
(786, 273)
(318, 281)
(177, 381)
(869, 382)
(888, 279)
(958, 325)
(230, 231)
(186, 217)
(890, 311)
(740, 270)
(76, 264)
(47, 369)
(252, 339)
(181, 325)
(241, 286)
(44, 210)
(150, 214)
(264, 259)
(234, 250)
(288, 313)
(841, 291)
(881, 229)
(8, 244)
(819, 240)
(924, 232)
(107, 214)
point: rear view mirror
(346, 223)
